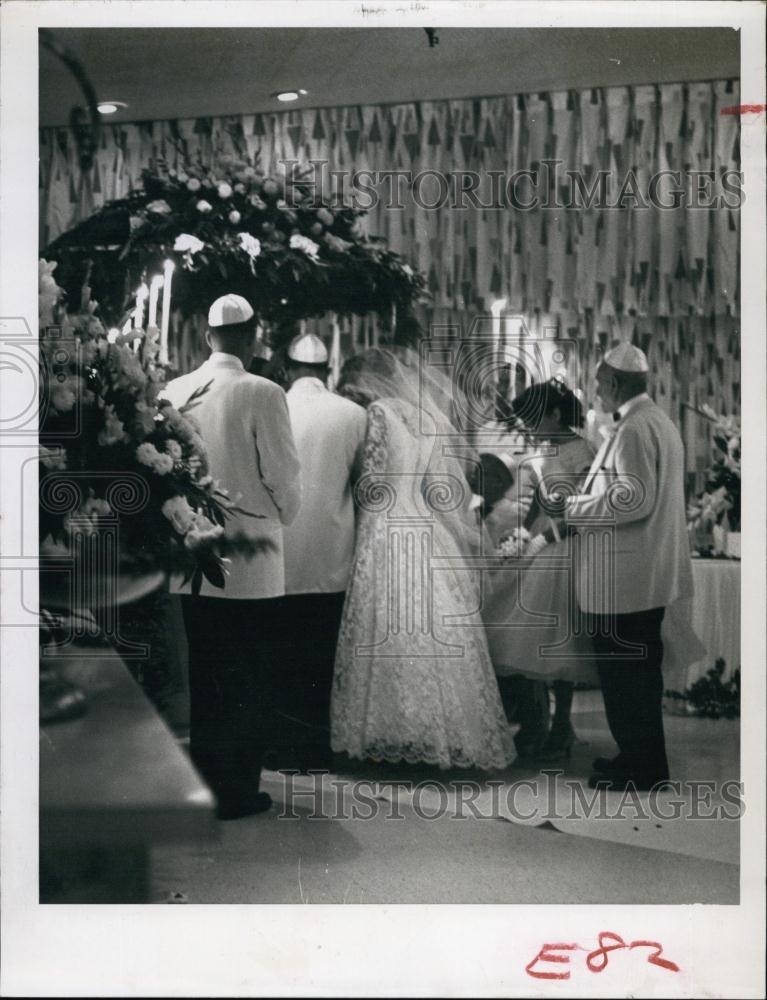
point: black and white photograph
(383, 512)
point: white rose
(179, 513)
(53, 458)
(234, 217)
(62, 398)
(204, 206)
(148, 455)
(193, 184)
(186, 243)
(224, 190)
(160, 206)
(202, 532)
(250, 245)
(303, 243)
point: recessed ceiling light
(289, 95)
(110, 107)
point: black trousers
(632, 687)
(307, 635)
(230, 668)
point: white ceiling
(188, 72)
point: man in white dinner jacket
(245, 428)
(632, 560)
(319, 548)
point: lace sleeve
(374, 455)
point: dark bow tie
(616, 416)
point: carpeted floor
(307, 852)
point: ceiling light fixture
(110, 107)
(289, 95)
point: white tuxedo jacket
(633, 498)
(245, 426)
(329, 432)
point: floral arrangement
(719, 503)
(229, 227)
(103, 425)
(514, 545)
(710, 697)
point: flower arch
(228, 227)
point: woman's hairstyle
(394, 372)
(367, 377)
(541, 399)
(491, 478)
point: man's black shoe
(259, 803)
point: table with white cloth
(714, 612)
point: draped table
(714, 612)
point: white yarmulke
(627, 358)
(308, 349)
(228, 310)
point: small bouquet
(515, 544)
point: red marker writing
(596, 960)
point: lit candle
(138, 315)
(496, 309)
(154, 295)
(165, 322)
(113, 334)
(335, 353)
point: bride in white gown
(413, 678)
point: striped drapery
(669, 278)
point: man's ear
(208, 340)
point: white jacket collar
(630, 404)
(219, 359)
(308, 384)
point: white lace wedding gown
(413, 677)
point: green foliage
(713, 698)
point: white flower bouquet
(105, 432)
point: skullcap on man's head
(308, 349)
(229, 310)
(627, 358)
